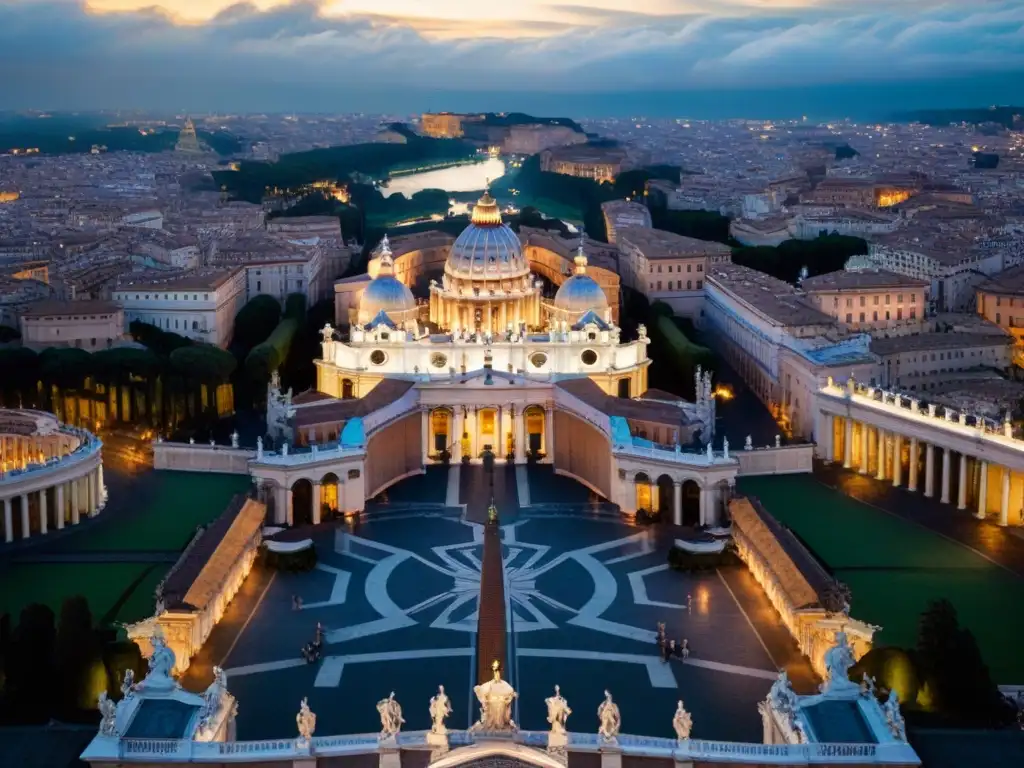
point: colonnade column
(99, 481)
(425, 436)
(944, 498)
(289, 506)
(897, 460)
(520, 431)
(94, 488)
(24, 516)
(848, 444)
(549, 432)
(880, 474)
(1004, 502)
(43, 522)
(316, 503)
(863, 449)
(983, 492)
(499, 432)
(460, 427)
(75, 510)
(677, 502)
(60, 506)
(961, 491)
(8, 522)
(929, 471)
(912, 485)
(703, 505)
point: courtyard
(398, 599)
(894, 568)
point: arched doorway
(534, 421)
(328, 496)
(441, 430)
(643, 492)
(346, 389)
(691, 503)
(487, 430)
(302, 502)
(624, 388)
(664, 499)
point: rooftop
(921, 342)
(206, 279)
(659, 244)
(54, 307)
(775, 299)
(638, 410)
(1009, 282)
(333, 411)
(858, 280)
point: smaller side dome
(386, 293)
(580, 292)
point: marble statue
(495, 697)
(161, 663)
(711, 451)
(641, 331)
(327, 332)
(894, 718)
(725, 447)
(390, 717)
(682, 722)
(867, 685)
(609, 719)
(108, 715)
(558, 711)
(838, 660)
(128, 683)
(440, 708)
(781, 695)
(259, 447)
(234, 439)
(778, 441)
(305, 720)
(749, 444)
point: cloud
(59, 53)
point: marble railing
(690, 750)
(675, 455)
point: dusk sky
(409, 55)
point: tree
(956, 680)
(8, 334)
(295, 306)
(204, 364)
(77, 657)
(267, 357)
(255, 322)
(30, 666)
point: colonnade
(699, 507)
(33, 512)
(468, 430)
(935, 470)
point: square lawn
(168, 516)
(895, 568)
(102, 584)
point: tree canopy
(204, 362)
(827, 253)
(255, 322)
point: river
(458, 178)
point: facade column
(519, 430)
(677, 502)
(983, 492)
(929, 471)
(863, 449)
(289, 506)
(848, 443)
(60, 506)
(880, 474)
(828, 437)
(8, 522)
(425, 436)
(75, 509)
(897, 460)
(944, 498)
(703, 505)
(961, 491)
(912, 486)
(94, 487)
(1004, 501)
(24, 516)
(99, 482)
(316, 502)
(549, 432)
(460, 426)
(43, 523)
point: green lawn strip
(894, 568)
(102, 584)
(847, 533)
(183, 501)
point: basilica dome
(386, 293)
(580, 293)
(487, 249)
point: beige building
(668, 267)
(1001, 301)
(869, 299)
(442, 125)
(928, 361)
(586, 162)
(89, 325)
(200, 304)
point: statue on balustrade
(558, 711)
(108, 715)
(495, 697)
(440, 708)
(682, 722)
(305, 720)
(838, 661)
(390, 717)
(609, 719)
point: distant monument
(187, 139)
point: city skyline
(387, 56)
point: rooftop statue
(838, 660)
(894, 718)
(305, 720)
(558, 711)
(609, 719)
(682, 722)
(495, 697)
(161, 664)
(440, 708)
(108, 715)
(390, 717)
